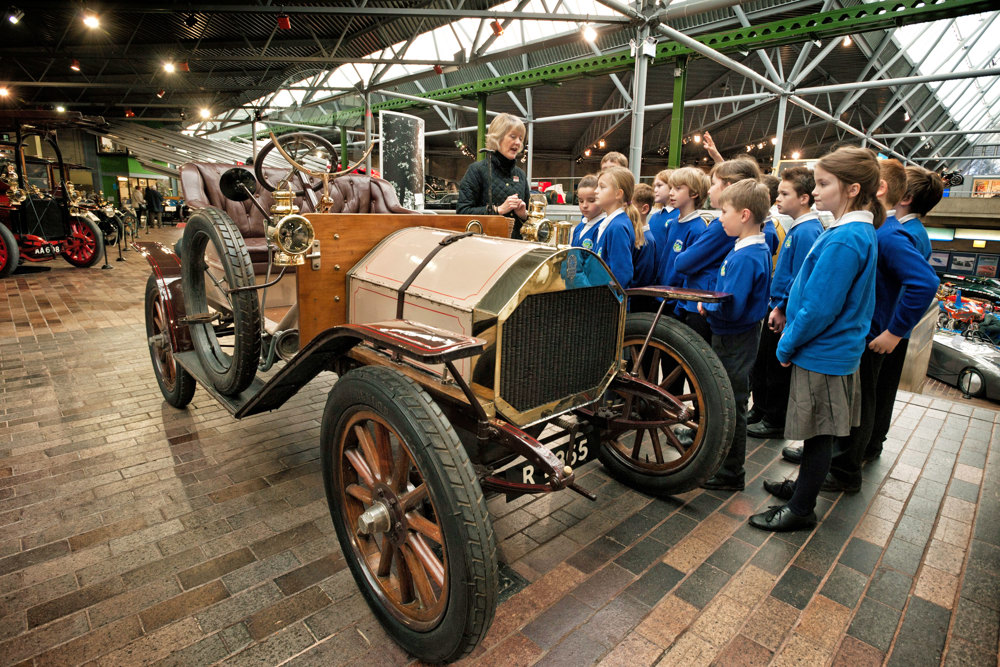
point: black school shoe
(723, 483)
(792, 453)
(754, 416)
(763, 429)
(784, 489)
(780, 519)
(831, 483)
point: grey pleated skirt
(821, 404)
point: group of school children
(818, 318)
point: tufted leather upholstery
(351, 194)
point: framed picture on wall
(962, 263)
(986, 266)
(939, 259)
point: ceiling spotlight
(749, 148)
(184, 67)
(760, 145)
(284, 22)
(160, 93)
(60, 108)
(4, 92)
(169, 68)
(588, 32)
(697, 138)
(191, 21)
(129, 113)
(586, 153)
(774, 141)
(205, 113)
(14, 15)
(847, 40)
(818, 43)
(906, 115)
(796, 155)
(74, 65)
(497, 27)
(91, 21)
(602, 143)
(438, 69)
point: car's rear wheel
(176, 384)
(656, 450)
(84, 243)
(409, 513)
(9, 252)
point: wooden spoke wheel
(225, 325)
(409, 513)
(9, 253)
(659, 450)
(84, 243)
(176, 384)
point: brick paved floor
(133, 533)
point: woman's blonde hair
(849, 165)
(499, 129)
(621, 178)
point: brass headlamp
(537, 227)
(293, 234)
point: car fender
(166, 265)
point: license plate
(47, 250)
(170, 208)
(575, 456)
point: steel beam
(677, 116)
(779, 134)
(901, 81)
(481, 124)
(643, 46)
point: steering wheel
(297, 146)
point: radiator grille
(558, 344)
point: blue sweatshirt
(586, 230)
(802, 233)
(680, 234)
(615, 242)
(832, 299)
(905, 283)
(659, 222)
(700, 263)
(771, 235)
(915, 228)
(644, 261)
(746, 274)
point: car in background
(174, 209)
(967, 360)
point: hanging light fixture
(847, 40)
(438, 69)
(284, 22)
(14, 15)
(169, 67)
(129, 113)
(588, 32)
(160, 93)
(796, 155)
(74, 65)
(602, 143)
(91, 21)
(906, 116)
(4, 92)
(697, 138)
(61, 108)
(586, 153)
(774, 141)
(204, 113)
(497, 27)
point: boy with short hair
(613, 159)
(644, 258)
(585, 232)
(745, 273)
(771, 379)
(774, 234)
(924, 190)
(688, 190)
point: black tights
(816, 454)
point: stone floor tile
(875, 624)
(874, 530)
(800, 651)
(667, 621)
(688, 554)
(634, 651)
(937, 586)
(856, 653)
(823, 622)
(953, 532)
(744, 652)
(720, 621)
(770, 623)
(690, 649)
(968, 474)
(958, 509)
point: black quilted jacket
(508, 179)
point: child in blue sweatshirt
(830, 307)
(699, 263)
(646, 255)
(660, 219)
(586, 230)
(770, 379)
(746, 274)
(688, 191)
(618, 233)
(923, 191)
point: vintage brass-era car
(455, 347)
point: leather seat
(351, 193)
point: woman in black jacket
(507, 192)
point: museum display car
(455, 348)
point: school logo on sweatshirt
(788, 242)
(588, 244)
(722, 270)
(678, 245)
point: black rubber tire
(10, 254)
(258, 167)
(179, 390)
(470, 547)
(98, 236)
(229, 373)
(717, 419)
